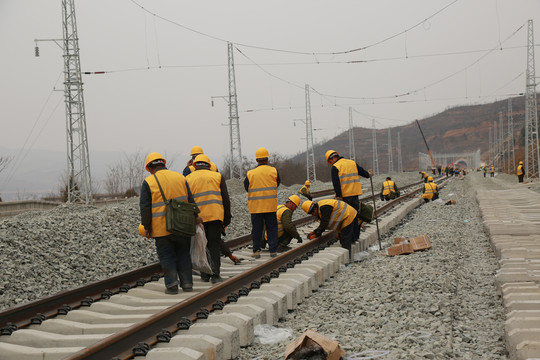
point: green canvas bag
(179, 215)
(366, 212)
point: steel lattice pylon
(532, 154)
(236, 169)
(352, 153)
(310, 154)
(501, 140)
(390, 159)
(511, 154)
(490, 148)
(374, 149)
(79, 183)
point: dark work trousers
(346, 235)
(212, 230)
(520, 178)
(285, 239)
(258, 223)
(175, 260)
(355, 203)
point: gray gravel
(437, 304)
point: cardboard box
(419, 243)
(312, 340)
(399, 240)
(400, 249)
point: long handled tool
(375, 212)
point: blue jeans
(175, 260)
(355, 203)
(258, 222)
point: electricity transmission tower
(490, 148)
(79, 180)
(236, 170)
(390, 160)
(532, 154)
(399, 163)
(374, 151)
(310, 154)
(511, 154)
(352, 154)
(501, 140)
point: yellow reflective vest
(174, 187)
(205, 187)
(279, 213)
(388, 187)
(342, 214)
(348, 177)
(493, 169)
(520, 170)
(430, 189)
(262, 190)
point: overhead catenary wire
(310, 53)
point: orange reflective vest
(262, 190)
(388, 187)
(348, 177)
(342, 214)
(174, 187)
(205, 187)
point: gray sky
(442, 62)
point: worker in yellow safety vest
(492, 171)
(431, 191)
(520, 172)
(172, 250)
(210, 193)
(424, 176)
(389, 190)
(304, 190)
(196, 150)
(333, 215)
(286, 228)
(261, 184)
(484, 170)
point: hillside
(455, 130)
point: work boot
(273, 255)
(173, 290)
(256, 254)
(187, 289)
(205, 277)
(216, 279)
(282, 248)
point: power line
(311, 53)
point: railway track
(128, 315)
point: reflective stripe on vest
(430, 190)
(262, 191)
(388, 187)
(348, 177)
(342, 214)
(174, 187)
(205, 187)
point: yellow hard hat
(202, 158)
(521, 162)
(261, 153)
(153, 157)
(141, 229)
(329, 154)
(294, 199)
(307, 183)
(196, 150)
(429, 178)
(307, 206)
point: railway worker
(261, 183)
(424, 176)
(304, 190)
(389, 190)
(286, 229)
(196, 150)
(431, 190)
(172, 250)
(346, 181)
(210, 193)
(492, 171)
(333, 215)
(484, 170)
(520, 172)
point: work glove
(299, 240)
(234, 259)
(312, 236)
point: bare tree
(125, 176)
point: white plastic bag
(199, 258)
(268, 334)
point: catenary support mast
(236, 169)
(400, 163)
(310, 154)
(79, 181)
(532, 150)
(390, 159)
(511, 154)
(374, 151)
(352, 154)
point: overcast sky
(441, 62)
